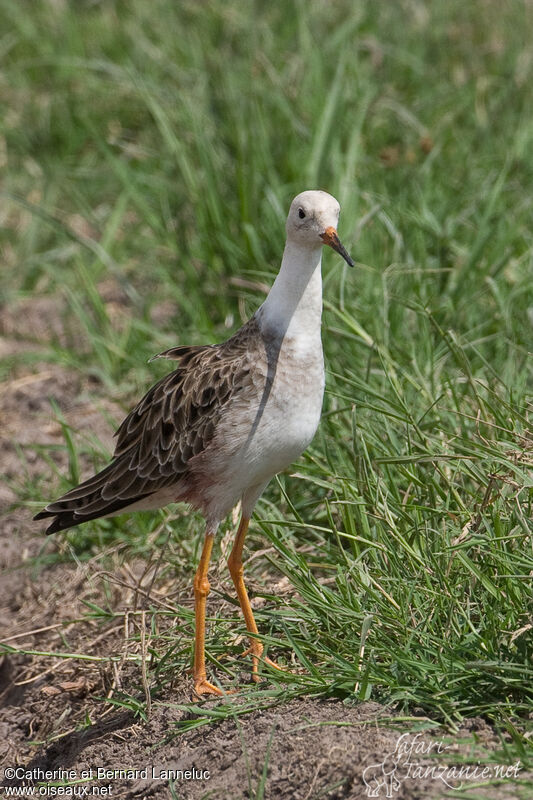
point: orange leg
(201, 590)
(237, 572)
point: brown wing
(174, 421)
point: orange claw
(273, 664)
(256, 651)
(203, 686)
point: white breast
(275, 431)
(292, 411)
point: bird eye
(301, 213)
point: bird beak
(331, 237)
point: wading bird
(230, 416)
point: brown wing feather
(174, 421)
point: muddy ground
(53, 712)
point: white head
(312, 220)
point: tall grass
(159, 144)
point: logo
(385, 778)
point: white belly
(268, 430)
(287, 423)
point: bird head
(313, 219)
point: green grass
(179, 133)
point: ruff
(230, 416)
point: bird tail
(102, 495)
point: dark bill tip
(331, 238)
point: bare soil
(53, 711)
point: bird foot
(255, 675)
(273, 664)
(202, 686)
(257, 655)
